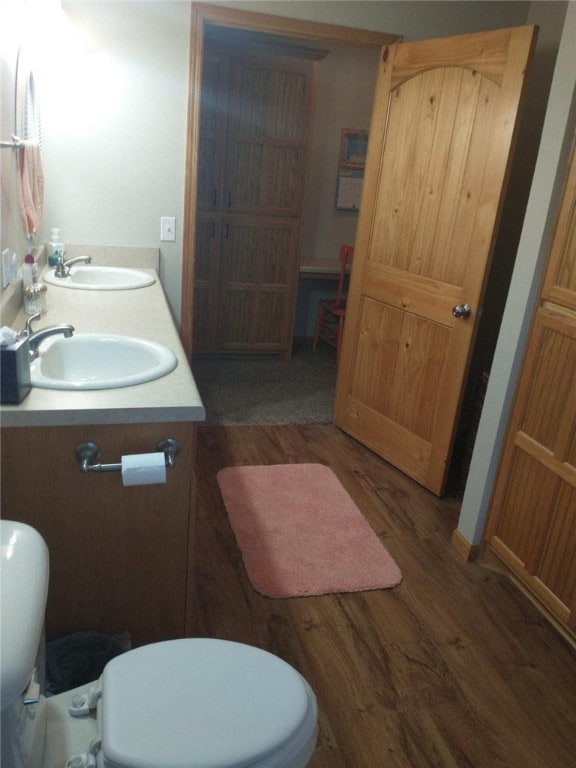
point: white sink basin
(88, 278)
(99, 361)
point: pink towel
(31, 186)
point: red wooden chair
(332, 312)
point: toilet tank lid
(202, 703)
(23, 592)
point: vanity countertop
(142, 312)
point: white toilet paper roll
(144, 469)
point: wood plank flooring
(454, 667)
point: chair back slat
(345, 258)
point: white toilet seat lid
(202, 703)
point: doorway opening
(210, 23)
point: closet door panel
(268, 133)
(255, 132)
(532, 521)
(211, 154)
(531, 489)
(271, 305)
(557, 564)
(205, 280)
(258, 273)
(549, 389)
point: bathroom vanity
(121, 557)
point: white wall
(559, 127)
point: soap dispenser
(55, 247)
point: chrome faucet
(63, 267)
(36, 338)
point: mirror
(26, 106)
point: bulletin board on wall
(351, 169)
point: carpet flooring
(254, 389)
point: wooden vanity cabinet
(120, 557)
(532, 520)
(254, 140)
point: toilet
(188, 703)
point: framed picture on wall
(353, 149)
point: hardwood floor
(453, 667)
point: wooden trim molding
(288, 27)
(461, 544)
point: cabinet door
(267, 135)
(208, 239)
(211, 150)
(120, 557)
(257, 282)
(532, 523)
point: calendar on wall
(349, 190)
(351, 169)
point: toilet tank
(23, 592)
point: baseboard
(491, 559)
(461, 544)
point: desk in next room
(318, 280)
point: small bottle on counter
(29, 271)
(29, 259)
(35, 298)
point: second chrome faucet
(62, 268)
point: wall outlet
(168, 229)
(9, 267)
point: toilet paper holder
(88, 452)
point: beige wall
(345, 88)
(114, 110)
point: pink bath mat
(300, 533)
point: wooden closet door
(257, 282)
(532, 521)
(212, 141)
(268, 135)
(255, 133)
(206, 270)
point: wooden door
(443, 125)
(208, 239)
(268, 135)
(257, 280)
(532, 521)
(254, 137)
(212, 138)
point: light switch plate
(168, 228)
(9, 268)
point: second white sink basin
(99, 361)
(94, 278)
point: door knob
(462, 310)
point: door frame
(203, 16)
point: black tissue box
(15, 371)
